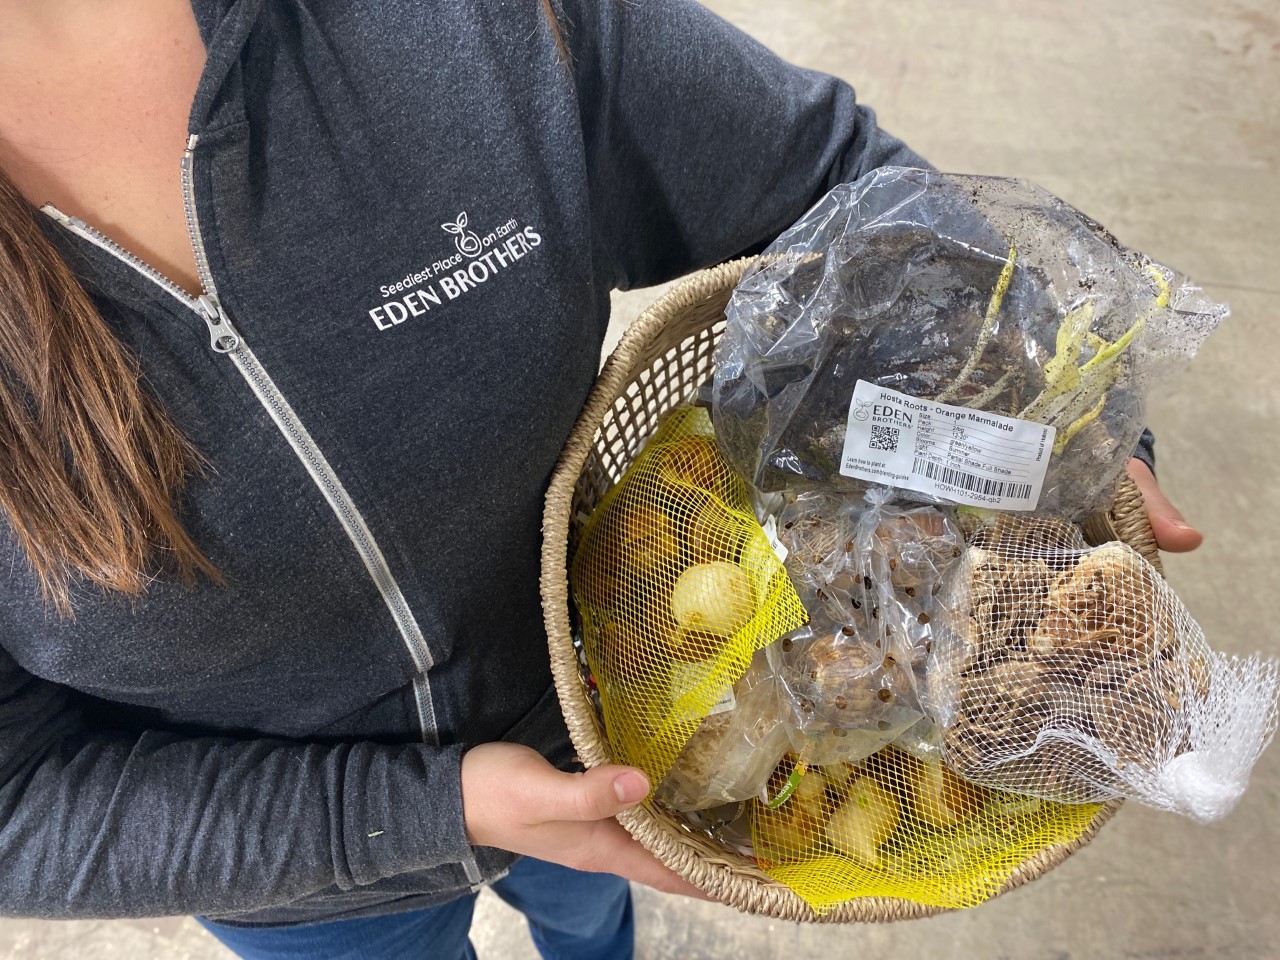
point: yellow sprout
(1076, 396)
(1074, 393)
(988, 326)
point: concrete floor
(1161, 119)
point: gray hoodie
(408, 217)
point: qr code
(884, 438)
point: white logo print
(479, 258)
(467, 242)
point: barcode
(971, 482)
(884, 438)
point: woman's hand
(514, 800)
(1172, 531)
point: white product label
(954, 453)
(726, 703)
(770, 527)
(685, 677)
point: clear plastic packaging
(1075, 674)
(977, 292)
(734, 751)
(868, 571)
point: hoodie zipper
(225, 339)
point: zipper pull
(223, 337)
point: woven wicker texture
(659, 363)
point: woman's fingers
(547, 794)
(1172, 532)
(595, 795)
(515, 800)
(602, 844)
(506, 786)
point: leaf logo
(862, 409)
(466, 240)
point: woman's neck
(93, 117)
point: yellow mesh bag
(896, 825)
(677, 586)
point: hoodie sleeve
(1146, 451)
(105, 824)
(701, 144)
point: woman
(277, 421)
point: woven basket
(659, 363)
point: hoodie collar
(225, 26)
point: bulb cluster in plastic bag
(866, 571)
(735, 749)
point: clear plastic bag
(868, 572)
(1075, 674)
(978, 292)
(734, 751)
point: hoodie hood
(225, 28)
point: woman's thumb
(599, 793)
(1172, 532)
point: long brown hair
(91, 467)
(557, 30)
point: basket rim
(1127, 521)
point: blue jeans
(572, 916)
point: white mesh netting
(1075, 674)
